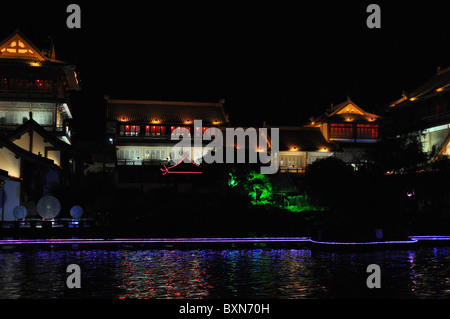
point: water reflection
(233, 273)
(162, 274)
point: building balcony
(292, 170)
(32, 95)
(146, 162)
(141, 138)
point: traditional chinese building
(34, 84)
(35, 112)
(350, 127)
(141, 132)
(425, 110)
(301, 146)
(25, 177)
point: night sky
(271, 61)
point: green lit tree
(255, 186)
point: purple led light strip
(413, 239)
(430, 237)
(151, 240)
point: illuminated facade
(24, 176)
(141, 132)
(350, 127)
(425, 110)
(301, 146)
(34, 84)
(35, 113)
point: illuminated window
(341, 130)
(130, 130)
(292, 161)
(155, 154)
(199, 132)
(210, 131)
(13, 117)
(367, 131)
(135, 130)
(178, 129)
(43, 85)
(129, 154)
(43, 118)
(155, 130)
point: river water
(423, 272)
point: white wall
(55, 156)
(435, 136)
(23, 142)
(39, 146)
(9, 162)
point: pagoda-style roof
(437, 85)
(17, 48)
(18, 51)
(166, 112)
(303, 139)
(347, 111)
(32, 125)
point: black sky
(271, 61)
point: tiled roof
(164, 112)
(29, 62)
(336, 113)
(52, 139)
(437, 84)
(343, 117)
(304, 139)
(38, 58)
